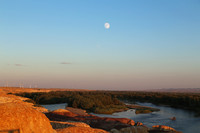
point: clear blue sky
(51, 43)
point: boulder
(173, 118)
(110, 123)
(139, 124)
(61, 125)
(114, 131)
(121, 120)
(80, 130)
(77, 111)
(162, 129)
(64, 112)
(132, 129)
(23, 118)
(74, 127)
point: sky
(150, 44)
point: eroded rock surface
(162, 129)
(61, 125)
(23, 118)
(77, 111)
(64, 112)
(80, 130)
(74, 127)
(8, 98)
(92, 120)
(132, 129)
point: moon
(107, 25)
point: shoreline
(92, 118)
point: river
(52, 107)
(185, 120)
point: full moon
(107, 25)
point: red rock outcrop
(132, 129)
(162, 127)
(173, 118)
(80, 130)
(16, 116)
(139, 124)
(61, 125)
(121, 120)
(74, 127)
(77, 111)
(94, 121)
(64, 112)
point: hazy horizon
(65, 44)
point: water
(185, 120)
(52, 107)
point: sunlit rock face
(64, 112)
(9, 98)
(162, 129)
(61, 125)
(77, 111)
(23, 119)
(74, 127)
(104, 123)
(80, 130)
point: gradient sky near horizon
(63, 44)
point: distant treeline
(110, 101)
(189, 101)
